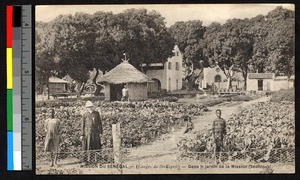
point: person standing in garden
(52, 126)
(125, 93)
(91, 129)
(218, 131)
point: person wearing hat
(218, 131)
(91, 130)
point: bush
(67, 101)
(283, 95)
(241, 98)
(170, 99)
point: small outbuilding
(268, 82)
(121, 75)
(57, 85)
(214, 76)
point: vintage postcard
(165, 89)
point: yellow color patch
(9, 67)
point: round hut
(125, 74)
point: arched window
(177, 66)
(169, 65)
(218, 78)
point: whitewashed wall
(252, 84)
(209, 75)
(137, 91)
(282, 84)
(163, 75)
(160, 75)
(107, 92)
(173, 74)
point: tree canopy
(76, 44)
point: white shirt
(124, 92)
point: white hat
(89, 104)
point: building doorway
(260, 85)
(116, 92)
(154, 86)
(218, 80)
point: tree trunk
(98, 87)
(229, 74)
(47, 81)
(82, 88)
(245, 79)
(190, 80)
(79, 88)
(245, 84)
(229, 82)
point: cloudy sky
(205, 12)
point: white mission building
(166, 76)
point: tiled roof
(260, 76)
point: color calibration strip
(18, 49)
(9, 75)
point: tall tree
(45, 56)
(81, 43)
(274, 45)
(143, 36)
(189, 36)
(74, 41)
(260, 51)
(104, 47)
(230, 47)
(281, 41)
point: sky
(207, 13)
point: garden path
(164, 148)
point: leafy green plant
(284, 95)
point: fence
(119, 154)
(93, 157)
(107, 156)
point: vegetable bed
(141, 122)
(265, 131)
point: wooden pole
(116, 134)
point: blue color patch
(10, 151)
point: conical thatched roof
(124, 73)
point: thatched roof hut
(125, 74)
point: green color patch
(9, 102)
